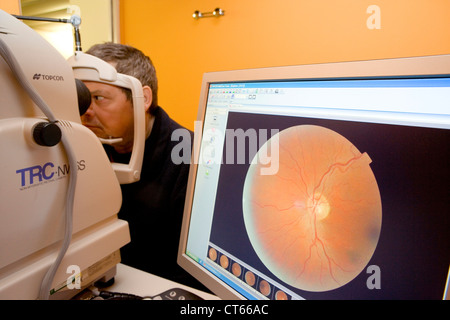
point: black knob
(47, 134)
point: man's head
(130, 61)
(111, 111)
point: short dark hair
(130, 61)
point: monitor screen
(327, 181)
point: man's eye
(99, 98)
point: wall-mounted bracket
(216, 13)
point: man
(154, 205)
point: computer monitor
(324, 181)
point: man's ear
(148, 95)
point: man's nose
(89, 113)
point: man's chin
(98, 132)
(122, 149)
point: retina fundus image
(314, 224)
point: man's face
(110, 114)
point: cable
(107, 295)
(42, 19)
(9, 58)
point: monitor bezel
(429, 66)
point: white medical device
(59, 195)
(89, 68)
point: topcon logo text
(38, 76)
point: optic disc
(320, 207)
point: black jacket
(154, 205)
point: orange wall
(272, 33)
(10, 6)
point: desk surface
(138, 282)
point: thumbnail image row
(247, 276)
